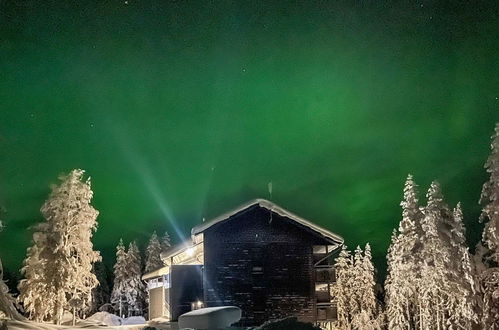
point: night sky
(180, 110)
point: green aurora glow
(181, 110)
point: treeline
(433, 281)
(129, 296)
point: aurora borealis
(182, 110)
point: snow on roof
(273, 208)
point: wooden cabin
(260, 257)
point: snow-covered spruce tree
(364, 309)
(136, 293)
(38, 302)
(153, 251)
(66, 252)
(464, 305)
(354, 290)
(437, 293)
(357, 277)
(342, 289)
(118, 294)
(403, 260)
(488, 249)
(7, 302)
(165, 242)
(368, 302)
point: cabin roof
(272, 208)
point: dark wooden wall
(261, 264)
(186, 288)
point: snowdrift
(210, 318)
(98, 321)
(106, 318)
(133, 320)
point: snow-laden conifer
(118, 294)
(488, 249)
(441, 290)
(403, 263)
(66, 252)
(368, 302)
(435, 289)
(153, 254)
(342, 290)
(37, 301)
(463, 309)
(357, 277)
(354, 290)
(135, 289)
(398, 291)
(365, 309)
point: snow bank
(210, 318)
(98, 321)
(106, 318)
(134, 320)
(88, 325)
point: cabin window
(319, 249)
(325, 275)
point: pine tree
(136, 292)
(354, 290)
(403, 259)
(357, 276)
(66, 252)
(488, 249)
(440, 276)
(153, 254)
(165, 242)
(118, 294)
(398, 289)
(364, 309)
(38, 302)
(342, 290)
(464, 305)
(368, 301)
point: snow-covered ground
(101, 320)
(28, 325)
(210, 318)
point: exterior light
(197, 305)
(190, 251)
